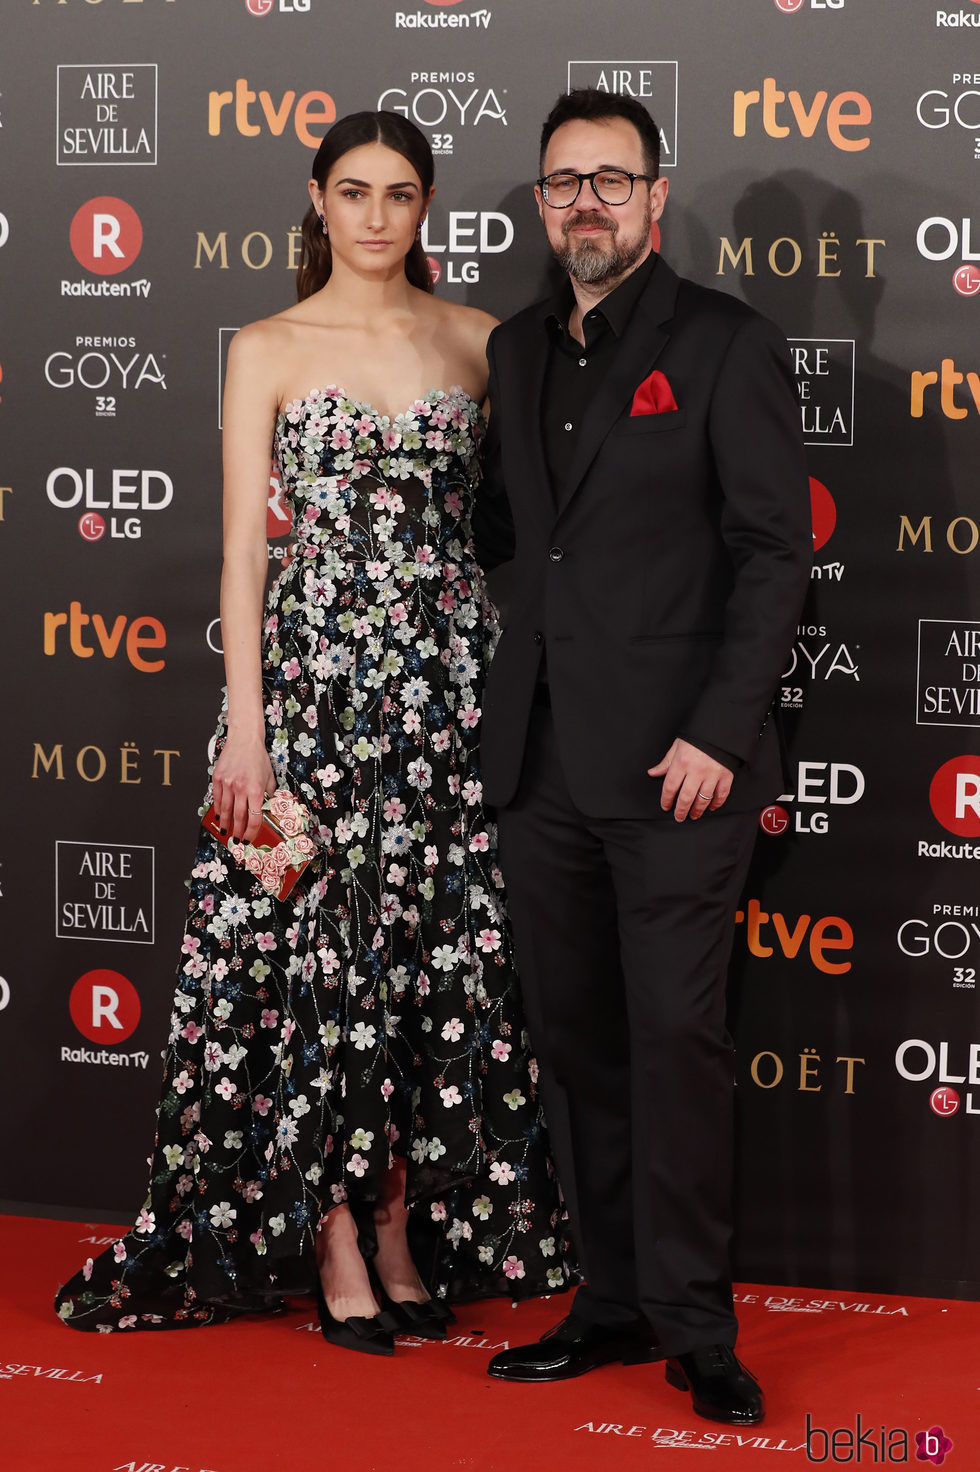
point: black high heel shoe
(426, 1320)
(371, 1336)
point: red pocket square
(653, 396)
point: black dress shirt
(573, 372)
(572, 375)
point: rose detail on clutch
(269, 863)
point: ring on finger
(705, 796)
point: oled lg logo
(286, 7)
(917, 1061)
(790, 7)
(123, 493)
(106, 237)
(820, 787)
(940, 239)
(466, 233)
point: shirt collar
(615, 309)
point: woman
(359, 1045)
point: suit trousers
(623, 930)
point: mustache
(593, 218)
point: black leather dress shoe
(721, 1387)
(574, 1347)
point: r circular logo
(774, 820)
(106, 235)
(966, 279)
(91, 526)
(789, 6)
(104, 1006)
(259, 7)
(944, 1101)
(954, 796)
(823, 513)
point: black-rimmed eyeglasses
(611, 186)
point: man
(645, 470)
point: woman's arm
(243, 772)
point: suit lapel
(644, 339)
(523, 376)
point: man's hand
(693, 781)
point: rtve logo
(106, 235)
(104, 1005)
(948, 379)
(954, 796)
(312, 110)
(848, 110)
(143, 633)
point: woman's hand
(243, 777)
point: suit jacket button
(538, 637)
(556, 554)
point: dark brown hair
(591, 105)
(358, 128)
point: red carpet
(260, 1395)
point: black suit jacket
(665, 577)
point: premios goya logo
(107, 114)
(108, 367)
(956, 108)
(444, 102)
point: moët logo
(106, 235)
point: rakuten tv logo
(104, 1006)
(954, 796)
(106, 235)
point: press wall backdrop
(823, 157)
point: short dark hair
(593, 106)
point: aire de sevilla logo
(954, 796)
(106, 235)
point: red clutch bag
(283, 848)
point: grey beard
(589, 263)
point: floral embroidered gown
(374, 1012)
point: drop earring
(323, 225)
